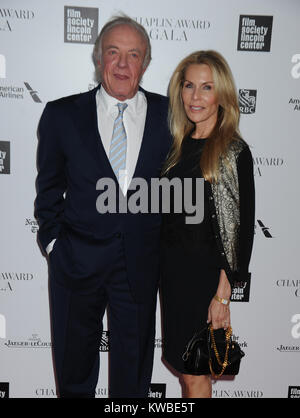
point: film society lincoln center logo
(81, 24)
(255, 33)
(4, 390)
(4, 157)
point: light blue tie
(118, 146)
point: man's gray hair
(121, 19)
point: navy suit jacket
(71, 159)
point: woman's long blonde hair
(226, 129)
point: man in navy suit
(102, 260)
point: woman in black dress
(201, 262)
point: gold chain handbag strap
(225, 362)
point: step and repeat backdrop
(45, 53)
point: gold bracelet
(222, 300)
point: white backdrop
(39, 62)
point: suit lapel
(87, 124)
(145, 150)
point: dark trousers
(77, 313)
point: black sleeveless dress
(190, 265)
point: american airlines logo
(33, 93)
(17, 92)
(11, 91)
(265, 229)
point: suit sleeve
(51, 181)
(247, 211)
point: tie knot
(122, 107)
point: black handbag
(212, 352)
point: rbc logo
(247, 101)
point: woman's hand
(218, 313)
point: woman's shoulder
(237, 146)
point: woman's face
(199, 99)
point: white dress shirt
(134, 122)
(134, 118)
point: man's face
(121, 62)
